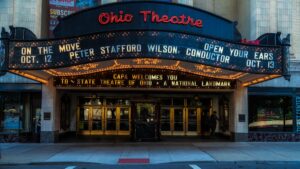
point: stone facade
(278, 16)
(226, 9)
(30, 14)
(285, 18)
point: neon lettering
(106, 18)
(148, 16)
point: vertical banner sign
(62, 8)
(3, 66)
(298, 113)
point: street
(189, 165)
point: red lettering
(128, 18)
(189, 21)
(174, 20)
(145, 14)
(155, 17)
(198, 23)
(181, 20)
(165, 19)
(114, 18)
(182, 17)
(121, 17)
(105, 18)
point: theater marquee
(148, 30)
(144, 44)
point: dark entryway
(145, 121)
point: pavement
(156, 152)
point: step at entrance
(134, 161)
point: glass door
(124, 121)
(146, 121)
(145, 112)
(96, 117)
(117, 120)
(83, 126)
(193, 121)
(90, 120)
(111, 120)
(165, 121)
(179, 122)
(186, 121)
(96, 120)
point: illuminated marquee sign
(144, 79)
(146, 15)
(144, 44)
(2, 54)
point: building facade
(45, 104)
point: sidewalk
(156, 152)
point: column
(108, 1)
(73, 117)
(215, 107)
(239, 119)
(50, 114)
(185, 2)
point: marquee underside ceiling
(146, 63)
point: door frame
(119, 131)
(185, 117)
(96, 132)
(198, 122)
(78, 131)
(103, 108)
(170, 132)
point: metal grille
(298, 113)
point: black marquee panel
(2, 55)
(29, 55)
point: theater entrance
(96, 117)
(145, 121)
(184, 116)
(176, 116)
